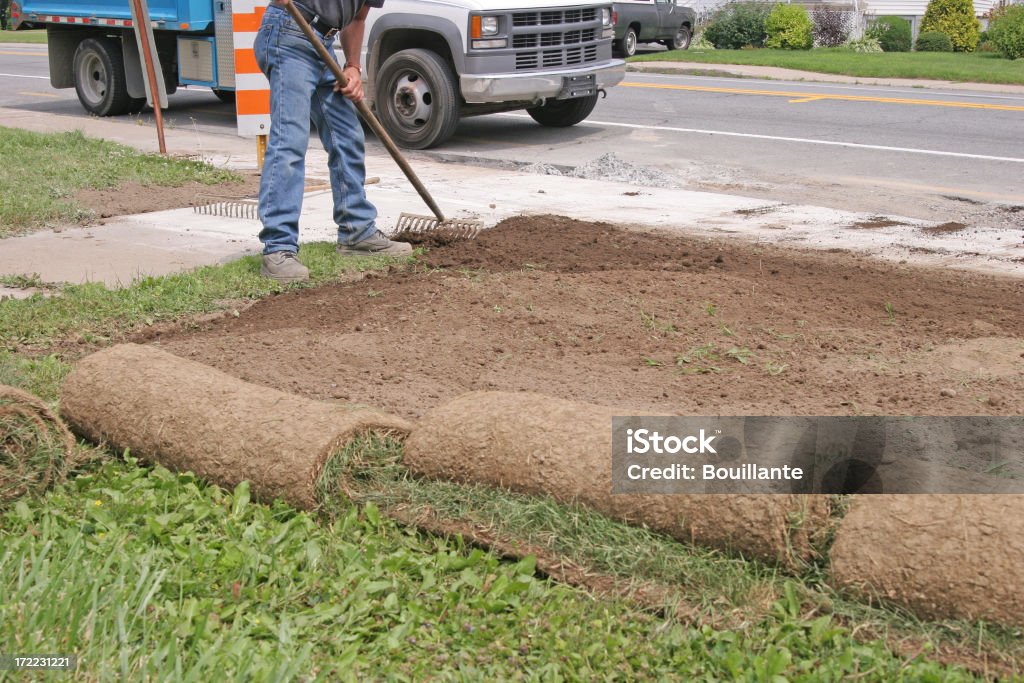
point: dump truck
(426, 63)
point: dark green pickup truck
(651, 21)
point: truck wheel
(681, 40)
(628, 47)
(100, 82)
(563, 113)
(416, 99)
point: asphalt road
(942, 155)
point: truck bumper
(533, 86)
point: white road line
(778, 138)
(43, 78)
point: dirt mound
(564, 245)
(540, 445)
(189, 417)
(942, 556)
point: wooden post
(150, 60)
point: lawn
(41, 173)
(35, 36)
(976, 67)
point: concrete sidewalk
(152, 244)
(779, 74)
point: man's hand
(353, 90)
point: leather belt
(318, 25)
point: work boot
(284, 267)
(376, 244)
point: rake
(407, 222)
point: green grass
(975, 67)
(35, 36)
(94, 314)
(145, 574)
(42, 171)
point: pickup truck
(651, 21)
(426, 63)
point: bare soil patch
(601, 314)
(945, 228)
(133, 198)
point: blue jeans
(302, 90)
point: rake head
(412, 224)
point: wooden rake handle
(365, 111)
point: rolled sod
(190, 417)
(536, 444)
(36, 448)
(942, 556)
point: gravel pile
(610, 167)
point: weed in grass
(727, 331)
(652, 323)
(740, 355)
(890, 311)
(710, 309)
(700, 360)
(33, 281)
(652, 362)
(774, 369)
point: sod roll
(190, 417)
(539, 445)
(942, 556)
(36, 448)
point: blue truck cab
(92, 48)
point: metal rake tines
(228, 207)
(455, 227)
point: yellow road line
(798, 97)
(39, 94)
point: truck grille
(567, 41)
(558, 16)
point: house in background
(913, 11)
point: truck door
(667, 23)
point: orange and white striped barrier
(252, 90)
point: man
(302, 89)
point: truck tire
(681, 40)
(627, 46)
(98, 68)
(416, 99)
(563, 113)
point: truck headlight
(606, 17)
(486, 28)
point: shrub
(956, 19)
(738, 25)
(933, 41)
(892, 33)
(789, 27)
(831, 26)
(865, 45)
(1007, 32)
(701, 42)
